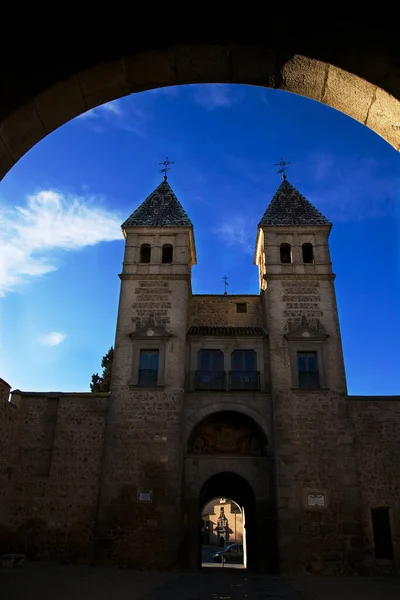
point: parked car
(232, 553)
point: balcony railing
(216, 380)
(209, 380)
(308, 379)
(244, 380)
(147, 377)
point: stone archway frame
(197, 416)
(206, 63)
(256, 479)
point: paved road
(209, 563)
(57, 582)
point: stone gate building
(237, 396)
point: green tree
(102, 384)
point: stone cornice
(301, 276)
(153, 277)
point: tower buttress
(143, 453)
(155, 289)
(313, 444)
(295, 270)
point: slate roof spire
(289, 207)
(161, 209)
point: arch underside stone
(352, 67)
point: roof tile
(161, 209)
(289, 207)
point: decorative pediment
(306, 332)
(150, 331)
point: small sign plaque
(316, 499)
(145, 496)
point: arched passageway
(42, 90)
(235, 487)
(228, 457)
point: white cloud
(53, 339)
(238, 231)
(108, 110)
(123, 114)
(214, 96)
(49, 221)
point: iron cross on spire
(225, 280)
(283, 167)
(166, 167)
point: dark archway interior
(228, 433)
(234, 486)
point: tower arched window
(308, 253)
(167, 253)
(145, 253)
(286, 253)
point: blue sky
(62, 205)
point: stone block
(348, 93)
(148, 70)
(384, 117)
(60, 104)
(202, 64)
(253, 65)
(304, 76)
(104, 82)
(6, 161)
(21, 130)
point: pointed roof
(289, 207)
(161, 209)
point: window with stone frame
(243, 374)
(210, 374)
(167, 253)
(308, 253)
(145, 253)
(241, 307)
(148, 367)
(307, 366)
(285, 253)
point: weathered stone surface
(345, 90)
(21, 130)
(104, 82)
(210, 310)
(59, 104)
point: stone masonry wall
(52, 497)
(8, 416)
(314, 449)
(376, 427)
(143, 449)
(208, 309)
(315, 454)
(144, 453)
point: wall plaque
(316, 499)
(145, 496)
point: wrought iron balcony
(244, 380)
(148, 377)
(309, 379)
(209, 380)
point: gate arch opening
(228, 457)
(222, 536)
(230, 486)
